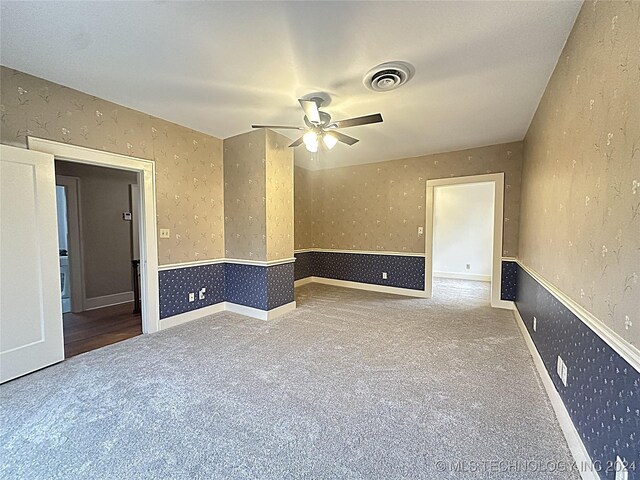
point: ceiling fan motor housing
(388, 76)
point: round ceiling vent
(388, 76)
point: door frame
(498, 222)
(148, 232)
(74, 238)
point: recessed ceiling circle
(388, 76)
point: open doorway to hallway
(463, 229)
(98, 234)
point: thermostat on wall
(126, 216)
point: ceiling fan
(320, 127)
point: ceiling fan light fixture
(310, 140)
(329, 140)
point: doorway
(143, 198)
(98, 255)
(463, 240)
(496, 180)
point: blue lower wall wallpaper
(602, 394)
(304, 265)
(279, 285)
(259, 287)
(176, 284)
(508, 288)
(402, 272)
(249, 285)
(246, 285)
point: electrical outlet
(201, 293)
(468, 266)
(561, 369)
(192, 297)
(384, 275)
(165, 233)
(535, 324)
(420, 230)
(621, 470)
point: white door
(30, 307)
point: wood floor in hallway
(93, 329)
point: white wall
(463, 231)
(61, 206)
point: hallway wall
(106, 237)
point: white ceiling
(218, 67)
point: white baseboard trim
(505, 304)
(571, 435)
(260, 314)
(463, 276)
(229, 307)
(107, 300)
(302, 281)
(191, 315)
(363, 286)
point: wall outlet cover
(561, 369)
(384, 275)
(165, 233)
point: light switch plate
(165, 233)
(420, 230)
(192, 297)
(384, 275)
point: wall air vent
(388, 76)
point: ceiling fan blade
(354, 122)
(343, 138)
(310, 110)
(296, 143)
(277, 126)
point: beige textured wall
(580, 225)
(379, 206)
(304, 208)
(245, 196)
(106, 237)
(258, 179)
(279, 208)
(188, 163)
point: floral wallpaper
(580, 224)
(245, 196)
(304, 206)
(279, 176)
(258, 179)
(379, 206)
(188, 163)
